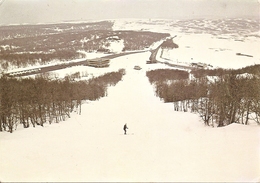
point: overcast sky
(46, 11)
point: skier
(125, 127)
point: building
(98, 62)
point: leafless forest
(220, 97)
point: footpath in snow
(161, 145)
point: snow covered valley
(160, 145)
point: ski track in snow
(162, 145)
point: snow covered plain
(161, 145)
(210, 41)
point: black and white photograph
(129, 90)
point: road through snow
(161, 145)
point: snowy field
(214, 51)
(161, 145)
(213, 42)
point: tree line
(198, 73)
(27, 59)
(42, 100)
(219, 100)
(20, 31)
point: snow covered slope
(161, 145)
